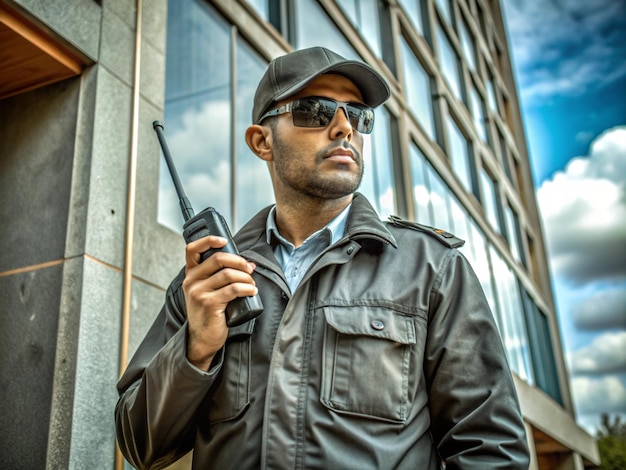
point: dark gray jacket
(386, 356)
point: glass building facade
(436, 156)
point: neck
(297, 219)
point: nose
(340, 126)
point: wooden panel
(30, 58)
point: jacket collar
(364, 225)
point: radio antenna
(185, 206)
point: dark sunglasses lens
(361, 118)
(319, 112)
(313, 112)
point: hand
(208, 287)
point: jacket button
(377, 325)
(350, 250)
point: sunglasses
(316, 111)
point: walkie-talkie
(209, 222)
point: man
(376, 348)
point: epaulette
(446, 238)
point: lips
(341, 156)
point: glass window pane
(253, 183)
(541, 351)
(478, 113)
(444, 9)
(199, 113)
(490, 201)
(491, 95)
(439, 195)
(315, 28)
(261, 7)
(504, 156)
(197, 110)
(467, 43)
(421, 186)
(513, 233)
(417, 90)
(459, 227)
(413, 9)
(378, 184)
(510, 317)
(449, 63)
(459, 154)
(481, 263)
(363, 14)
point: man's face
(323, 163)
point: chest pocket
(367, 360)
(232, 393)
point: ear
(259, 139)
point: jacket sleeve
(476, 419)
(160, 391)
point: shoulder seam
(444, 237)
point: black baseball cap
(288, 74)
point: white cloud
(199, 140)
(602, 395)
(602, 310)
(607, 353)
(565, 46)
(584, 213)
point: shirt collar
(336, 228)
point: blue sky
(569, 57)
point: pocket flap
(377, 322)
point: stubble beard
(332, 185)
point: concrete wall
(65, 153)
(36, 164)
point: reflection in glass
(439, 195)
(478, 113)
(261, 7)
(413, 9)
(467, 44)
(315, 28)
(378, 184)
(197, 110)
(460, 228)
(490, 200)
(513, 233)
(481, 263)
(421, 186)
(491, 95)
(253, 183)
(449, 63)
(541, 352)
(363, 14)
(444, 8)
(200, 117)
(459, 154)
(510, 317)
(504, 156)
(417, 90)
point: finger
(195, 249)
(217, 280)
(216, 300)
(219, 261)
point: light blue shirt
(296, 261)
